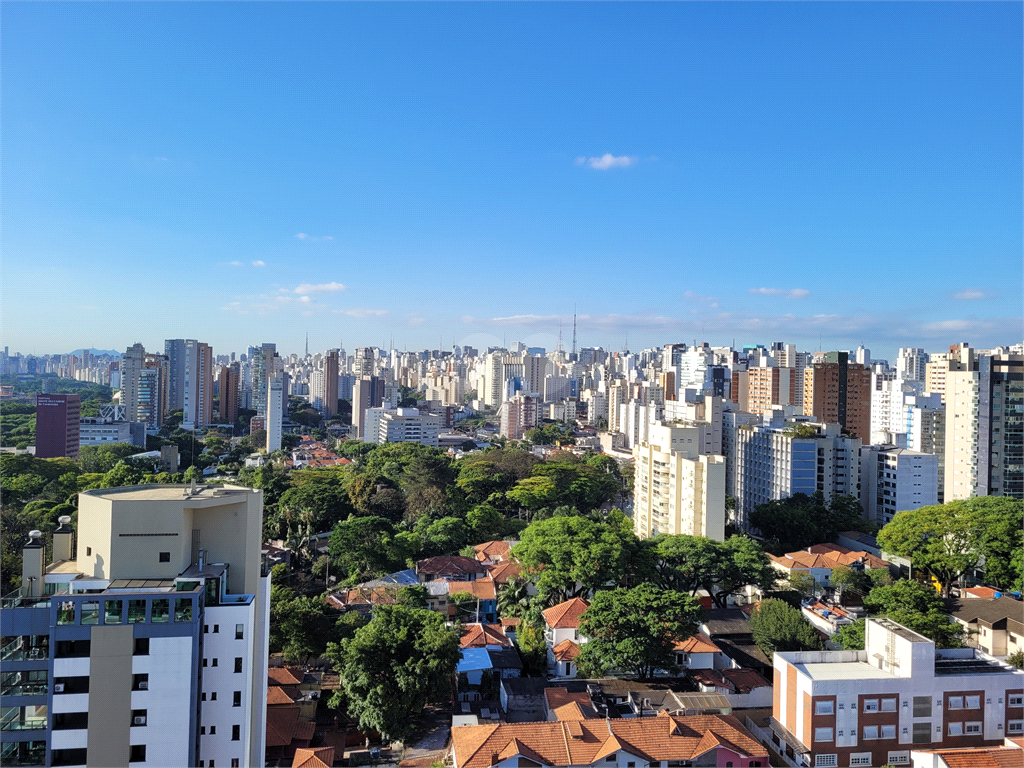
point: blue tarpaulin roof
(473, 659)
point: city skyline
(829, 175)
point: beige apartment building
(677, 488)
(837, 391)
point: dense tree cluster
(800, 520)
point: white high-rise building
(894, 479)
(155, 651)
(911, 364)
(133, 361)
(926, 432)
(677, 489)
(277, 399)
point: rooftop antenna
(574, 331)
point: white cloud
(234, 263)
(304, 236)
(320, 288)
(258, 263)
(606, 161)
(361, 312)
(789, 293)
(969, 294)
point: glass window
(899, 758)
(824, 707)
(922, 706)
(860, 758)
(239, 631)
(922, 733)
(111, 611)
(823, 734)
(974, 728)
(237, 700)
(870, 731)
(165, 557)
(140, 682)
(183, 609)
(824, 761)
(888, 705)
(1016, 700)
(136, 611)
(972, 702)
(91, 612)
(238, 664)
(66, 612)
(956, 702)
(1015, 726)
(236, 732)
(161, 611)
(888, 731)
(956, 729)
(870, 705)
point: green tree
(514, 599)
(851, 636)
(777, 626)
(572, 556)
(1016, 659)
(534, 493)
(918, 607)
(394, 666)
(800, 521)
(532, 649)
(636, 630)
(413, 596)
(945, 541)
(802, 582)
(362, 547)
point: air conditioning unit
(140, 720)
(58, 687)
(143, 685)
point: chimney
(33, 559)
(63, 540)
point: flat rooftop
(165, 492)
(844, 670)
(900, 631)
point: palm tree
(514, 599)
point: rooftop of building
(989, 610)
(166, 492)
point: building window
(206, 629)
(972, 728)
(239, 631)
(972, 702)
(165, 557)
(214, 664)
(238, 664)
(141, 646)
(888, 731)
(140, 682)
(823, 761)
(213, 696)
(888, 705)
(206, 662)
(860, 758)
(870, 705)
(823, 734)
(237, 699)
(922, 706)
(234, 762)
(236, 732)
(1015, 726)
(216, 628)
(138, 717)
(202, 728)
(137, 754)
(922, 733)
(824, 707)
(956, 702)
(203, 698)
(956, 729)
(899, 758)
(88, 551)
(1015, 700)
(213, 730)
(870, 731)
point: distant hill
(93, 351)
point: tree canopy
(636, 630)
(800, 520)
(777, 626)
(394, 666)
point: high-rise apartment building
(324, 385)
(911, 364)
(402, 425)
(837, 391)
(277, 403)
(162, 363)
(984, 429)
(229, 386)
(198, 385)
(132, 363)
(926, 432)
(363, 363)
(678, 490)
(367, 392)
(148, 647)
(494, 382)
(263, 368)
(57, 426)
(519, 414)
(174, 351)
(758, 390)
(778, 459)
(149, 398)
(894, 479)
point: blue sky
(819, 173)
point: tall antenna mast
(307, 343)
(574, 332)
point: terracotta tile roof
(583, 742)
(491, 550)
(981, 758)
(321, 757)
(482, 635)
(482, 589)
(283, 726)
(560, 697)
(745, 680)
(566, 650)
(449, 565)
(277, 695)
(980, 592)
(827, 556)
(501, 572)
(512, 621)
(574, 711)
(566, 615)
(698, 643)
(282, 676)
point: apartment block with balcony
(149, 644)
(896, 479)
(872, 707)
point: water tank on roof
(999, 594)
